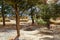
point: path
(6, 34)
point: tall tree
(34, 3)
(3, 13)
(47, 12)
(31, 4)
(14, 4)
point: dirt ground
(8, 32)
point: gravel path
(25, 35)
(7, 34)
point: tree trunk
(17, 20)
(48, 23)
(3, 13)
(32, 18)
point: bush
(6, 20)
(40, 21)
(0, 19)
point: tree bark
(32, 18)
(48, 23)
(17, 20)
(3, 13)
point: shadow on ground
(47, 38)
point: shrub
(0, 19)
(40, 21)
(6, 20)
